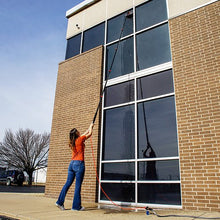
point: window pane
(116, 24)
(118, 171)
(168, 194)
(153, 47)
(160, 127)
(119, 93)
(94, 37)
(150, 13)
(124, 60)
(73, 46)
(155, 85)
(119, 141)
(158, 170)
(123, 192)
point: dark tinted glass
(118, 171)
(150, 13)
(119, 141)
(93, 37)
(73, 46)
(124, 60)
(119, 93)
(123, 192)
(160, 126)
(155, 85)
(115, 26)
(168, 194)
(158, 170)
(153, 47)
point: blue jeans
(76, 169)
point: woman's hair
(73, 137)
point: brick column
(195, 52)
(77, 95)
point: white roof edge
(79, 7)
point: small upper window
(116, 24)
(150, 13)
(94, 37)
(73, 46)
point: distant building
(39, 176)
(156, 139)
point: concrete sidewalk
(37, 206)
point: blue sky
(32, 43)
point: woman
(76, 168)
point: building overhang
(80, 7)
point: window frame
(124, 78)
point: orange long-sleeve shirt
(78, 152)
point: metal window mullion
(118, 181)
(151, 27)
(119, 105)
(159, 181)
(136, 144)
(102, 113)
(121, 39)
(141, 73)
(135, 108)
(119, 161)
(156, 97)
(81, 43)
(158, 159)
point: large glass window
(124, 192)
(120, 93)
(150, 13)
(73, 46)
(119, 133)
(153, 47)
(118, 171)
(168, 193)
(115, 26)
(124, 59)
(157, 121)
(94, 37)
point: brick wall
(195, 47)
(77, 95)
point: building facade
(156, 139)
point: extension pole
(109, 71)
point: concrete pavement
(36, 207)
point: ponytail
(72, 138)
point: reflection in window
(124, 60)
(159, 170)
(153, 47)
(168, 193)
(155, 85)
(119, 141)
(94, 37)
(124, 192)
(160, 127)
(150, 13)
(118, 171)
(116, 24)
(119, 93)
(73, 46)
